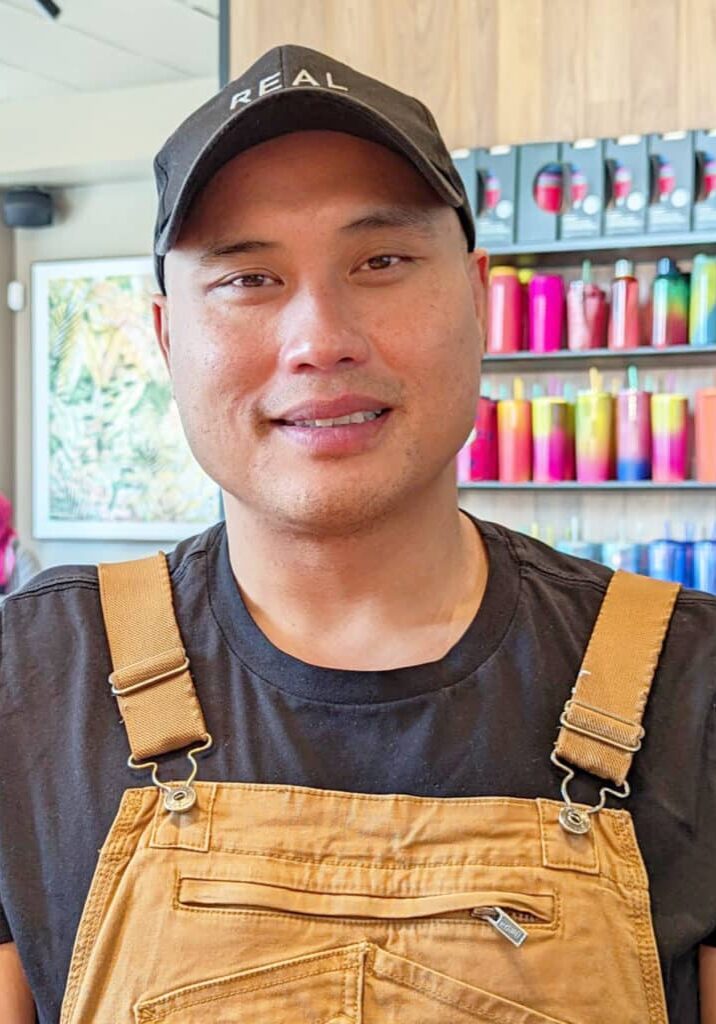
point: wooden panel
(512, 70)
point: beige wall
(498, 71)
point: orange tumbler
(705, 430)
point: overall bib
(235, 903)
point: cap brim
(292, 110)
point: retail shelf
(602, 250)
(573, 485)
(686, 355)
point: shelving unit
(519, 362)
(601, 505)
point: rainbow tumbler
(670, 438)
(514, 440)
(594, 430)
(702, 309)
(633, 434)
(552, 440)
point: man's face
(319, 276)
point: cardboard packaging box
(672, 171)
(540, 193)
(704, 216)
(628, 186)
(584, 189)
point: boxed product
(495, 195)
(671, 159)
(628, 189)
(541, 192)
(583, 188)
(704, 216)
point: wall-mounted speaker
(27, 208)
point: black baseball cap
(289, 89)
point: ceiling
(105, 44)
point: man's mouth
(362, 416)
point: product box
(540, 193)
(496, 191)
(583, 189)
(704, 216)
(490, 179)
(628, 186)
(671, 160)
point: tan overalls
(266, 904)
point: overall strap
(601, 726)
(151, 678)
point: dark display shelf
(573, 485)
(686, 355)
(601, 250)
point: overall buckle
(179, 797)
(574, 819)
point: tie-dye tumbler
(633, 435)
(702, 310)
(669, 305)
(670, 438)
(514, 440)
(552, 440)
(594, 430)
(477, 460)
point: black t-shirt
(480, 722)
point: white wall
(99, 220)
(7, 402)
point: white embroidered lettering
(332, 85)
(304, 78)
(240, 97)
(269, 84)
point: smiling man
(380, 829)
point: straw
(518, 389)
(632, 378)
(595, 379)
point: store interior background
(86, 101)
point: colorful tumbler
(670, 438)
(505, 314)
(478, 458)
(552, 440)
(586, 313)
(702, 310)
(546, 312)
(624, 318)
(670, 306)
(594, 431)
(705, 433)
(514, 437)
(633, 432)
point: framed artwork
(110, 460)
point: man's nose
(319, 331)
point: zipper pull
(502, 923)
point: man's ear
(160, 314)
(478, 270)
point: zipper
(503, 923)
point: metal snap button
(179, 799)
(574, 821)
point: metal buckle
(572, 818)
(596, 735)
(148, 682)
(178, 798)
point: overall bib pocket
(357, 984)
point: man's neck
(401, 592)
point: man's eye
(250, 280)
(384, 262)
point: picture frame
(110, 459)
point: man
(349, 629)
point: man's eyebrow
(216, 252)
(414, 217)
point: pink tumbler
(546, 312)
(504, 311)
(477, 460)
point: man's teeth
(339, 421)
